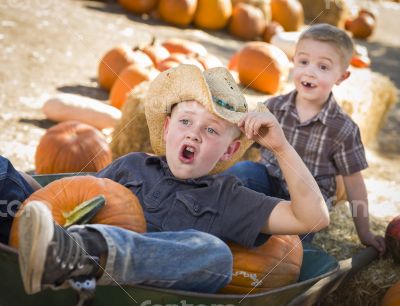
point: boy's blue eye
(184, 121)
(211, 131)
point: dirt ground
(50, 46)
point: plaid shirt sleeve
(350, 156)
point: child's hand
(378, 242)
(263, 128)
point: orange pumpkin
(270, 30)
(212, 14)
(274, 264)
(247, 21)
(138, 6)
(62, 196)
(392, 296)
(362, 26)
(360, 61)
(263, 67)
(176, 59)
(209, 61)
(233, 62)
(130, 77)
(263, 5)
(156, 52)
(177, 12)
(392, 239)
(289, 13)
(179, 45)
(72, 146)
(115, 60)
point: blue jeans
(255, 176)
(185, 260)
(13, 191)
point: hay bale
(367, 97)
(368, 286)
(334, 12)
(131, 133)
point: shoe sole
(35, 233)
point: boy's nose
(193, 136)
(310, 71)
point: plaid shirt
(329, 143)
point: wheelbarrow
(320, 275)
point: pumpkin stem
(84, 212)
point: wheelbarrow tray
(320, 275)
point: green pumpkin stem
(84, 212)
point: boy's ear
(166, 126)
(232, 148)
(343, 77)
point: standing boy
(324, 136)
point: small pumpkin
(130, 77)
(263, 67)
(115, 60)
(362, 26)
(62, 196)
(209, 61)
(178, 58)
(360, 58)
(263, 5)
(392, 239)
(274, 264)
(247, 22)
(288, 13)
(156, 52)
(272, 29)
(233, 61)
(212, 14)
(138, 6)
(180, 45)
(177, 12)
(72, 146)
(392, 296)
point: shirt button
(196, 207)
(156, 194)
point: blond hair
(334, 36)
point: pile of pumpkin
(245, 19)
(252, 19)
(78, 145)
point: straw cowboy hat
(214, 88)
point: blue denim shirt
(13, 191)
(219, 205)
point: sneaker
(49, 255)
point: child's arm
(307, 211)
(358, 198)
(30, 180)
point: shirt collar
(328, 110)
(289, 101)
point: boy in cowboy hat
(199, 124)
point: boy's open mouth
(186, 154)
(308, 84)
